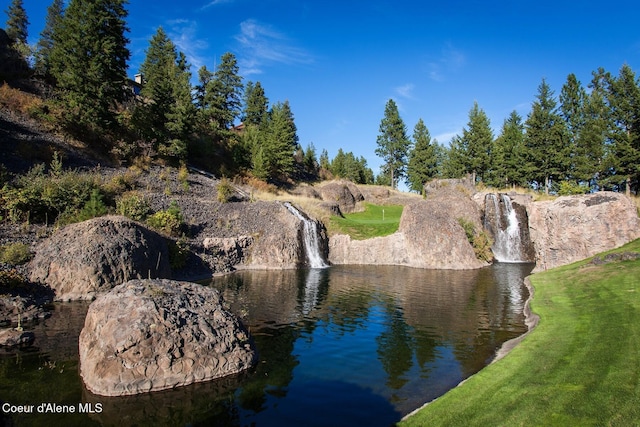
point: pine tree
(546, 141)
(166, 114)
(89, 62)
(279, 141)
(55, 14)
(423, 161)
(393, 143)
(624, 101)
(476, 143)
(453, 159)
(17, 22)
(225, 91)
(508, 157)
(255, 104)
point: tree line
(586, 139)
(82, 55)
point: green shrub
(178, 253)
(133, 205)
(480, 241)
(94, 207)
(567, 188)
(41, 198)
(225, 190)
(15, 253)
(183, 176)
(168, 221)
(11, 281)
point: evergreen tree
(476, 144)
(423, 162)
(324, 160)
(508, 156)
(89, 62)
(256, 104)
(546, 141)
(310, 160)
(279, 141)
(624, 101)
(453, 159)
(166, 114)
(17, 22)
(393, 143)
(55, 14)
(226, 92)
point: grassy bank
(579, 367)
(375, 221)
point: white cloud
(215, 3)
(261, 45)
(184, 34)
(449, 61)
(405, 91)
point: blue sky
(339, 62)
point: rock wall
(429, 236)
(572, 228)
(148, 335)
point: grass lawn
(375, 221)
(579, 367)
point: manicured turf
(375, 221)
(579, 367)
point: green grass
(579, 367)
(375, 221)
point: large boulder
(572, 228)
(344, 193)
(84, 259)
(148, 335)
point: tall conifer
(393, 143)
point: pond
(346, 345)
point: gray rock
(82, 260)
(572, 228)
(148, 335)
(15, 337)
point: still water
(347, 345)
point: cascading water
(501, 219)
(310, 238)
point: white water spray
(507, 246)
(310, 238)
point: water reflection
(348, 345)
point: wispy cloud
(184, 34)
(406, 91)
(262, 45)
(215, 3)
(450, 60)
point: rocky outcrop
(429, 236)
(84, 259)
(345, 194)
(572, 228)
(260, 235)
(148, 335)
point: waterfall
(501, 219)
(310, 238)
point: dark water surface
(347, 345)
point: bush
(481, 242)
(40, 197)
(567, 188)
(178, 253)
(133, 205)
(225, 190)
(168, 221)
(15, 253)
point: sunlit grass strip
(375, 221)
(579, 367)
